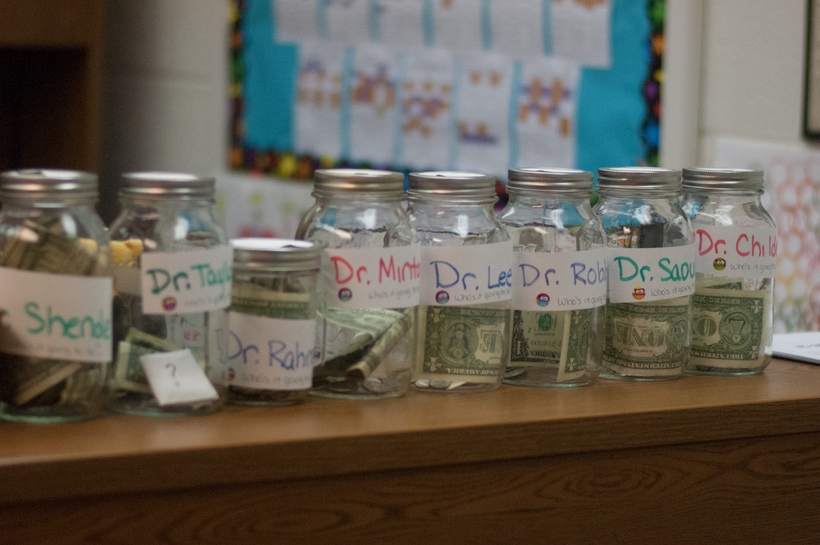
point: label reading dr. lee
(466, 275)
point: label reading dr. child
(736, 251)
(186, 282)
(55, 316)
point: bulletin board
(476, 85)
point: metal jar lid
(723, 179)
(653, 179)
(451, 186)
(65, 186)
(552, 180)
(380, 183)
(276, 255)
(174, 185)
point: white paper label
(736, 251)
(55, 316)
(186, 282)
(466, 275)
(373, 277)
(651, 274)
(176, 378)
(270, 353)
(560, 280)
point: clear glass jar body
(348, 337)
(170, 226)
(539, 355)
(732, 315)
(645, 340)
(59, 240)
(457, 224)
(291, 299)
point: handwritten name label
(651, 274)
(373, 277)
(56, 316)
(466, 275)
(176, 378)
(270, 353)
(186, 282)
(560, 280)
(736, 251)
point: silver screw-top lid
(275, 255)
(549, 180)
(651, 179)
(174, 185)
(451, 186)
(723, 179)
(65, 186)
(380, 183)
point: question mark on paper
(173, 370)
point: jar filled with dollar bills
(172, 288)
(273, 321)
(466, 270)
(371, 283)
(55, 296)
(559, 278)
(737, 253)
(651, 273)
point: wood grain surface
(324, 438)
(745, 491)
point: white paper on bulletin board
(444, 84)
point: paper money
(556, 340)
(271, 301)
(647, 339)
(128, 372)
(463, 344)
(22, 379)
(729, 328)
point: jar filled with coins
(55, 296)
(273, 321)
(732, 309)
(466, 268)
(172, 282)
(559, 278)
(371, 283)
(651, 273)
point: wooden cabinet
(50, 80)
(695, 460)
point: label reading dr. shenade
(55, 316)
(186, 282)
(651, 274)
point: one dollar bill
(558, 340)
(647, 339)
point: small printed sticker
(442, 297)
(345, 295)
(543, 299)
(719, 264)
(638, 293)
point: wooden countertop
(121, 454)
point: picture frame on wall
(811, 84)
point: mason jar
(651, 273)
(559, 278)
(272, 321)
(371, 284)
(172, 282)
(732, 311)
(466, 271)
(55, 296)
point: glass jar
(651, 273)
(55, 296)
(371, 284)
(466, 270)
(732, 311)
(273, 321)
(172, 280)
(559, 278)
